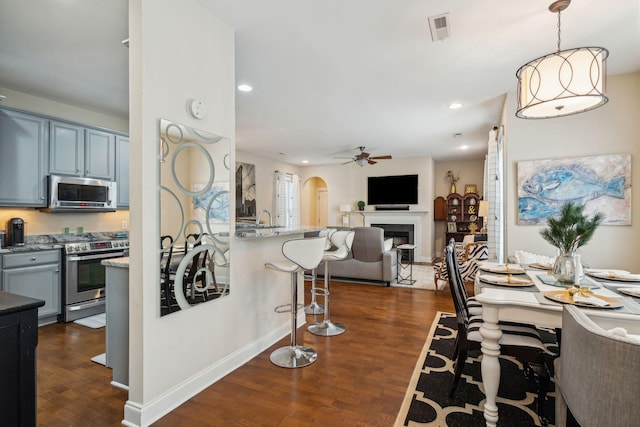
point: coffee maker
(15, 232)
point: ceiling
(331, 75)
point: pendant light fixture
(562, 83)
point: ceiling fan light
(562, 83)
(361, 161)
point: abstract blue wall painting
(599, 183)
(213, 204)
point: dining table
(540, 303)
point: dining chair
(214, 260)
(519, 340)
(467, 257)
(195, 276)
(598, 372)
(166, 252)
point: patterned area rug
(427, 401)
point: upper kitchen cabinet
(23, 158)
(122, 170)
(67, 149)
(80, 151)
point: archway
(314, 203)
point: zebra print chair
(468, 256)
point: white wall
(176, 54)
(610, 129)
(348, 184)
(59, 110)
(470, 171)
(265, 169)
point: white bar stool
(343, 241)
(301, 254)
(314, 307)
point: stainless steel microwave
(75, 194)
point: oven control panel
(108, 245)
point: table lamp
(345, 209)
(483, 212)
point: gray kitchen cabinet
(36, 275)
(66, 149)
(122, 170)
(100, 154)
(23, 158)
(81, 151)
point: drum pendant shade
(562, 83)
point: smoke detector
(440, 26)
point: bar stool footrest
(320, 292)
(286, 308)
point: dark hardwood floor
(359, 379)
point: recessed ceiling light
(245, 88)
(455, 106)
(305, 161)
(464, 147)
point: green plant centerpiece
(567, 232)
(360, 205)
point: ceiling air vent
(440, 27)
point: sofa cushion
(368, 244)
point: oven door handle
(85, 306)
(99, 256)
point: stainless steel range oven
(84, 276)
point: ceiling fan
(363, 158)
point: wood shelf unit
(462, 215)
(440, 209)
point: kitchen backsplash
(38, 222)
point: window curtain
(494, 193)
(287, 199)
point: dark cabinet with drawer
(18, 340)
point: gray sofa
(368, 259)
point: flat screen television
(392, 190)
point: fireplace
(403, 227)
(400, 233)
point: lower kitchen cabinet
(37, 275)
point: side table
(405, 264)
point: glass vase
(564, 268)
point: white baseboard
(142, 415)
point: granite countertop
(30, 248)
(122, 262)
(262, 232)
(44, 242)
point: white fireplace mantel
(414, 218)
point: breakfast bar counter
(250, 231)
